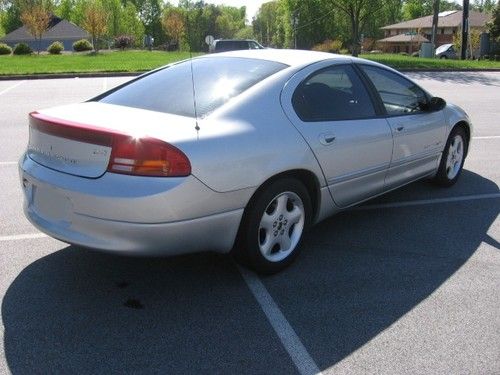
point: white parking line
(18, 237)
(488, 137)
(11, 87)
(105, 83)
(8, 163)
(428, 201)
(291, 342)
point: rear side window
(216, 81)
(334, 93)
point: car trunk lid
(79, 139)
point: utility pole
(465, 29)
(435, 20)
(295, 23)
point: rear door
(332, 109)
(419, 134)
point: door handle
(400, 128)
(326, 139)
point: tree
(484, 5)
(420, 8)
(36, 19)
(131, 24)
(95, 22)
(2, 16)
(267, 25)
(173, 22)
(114, 10)
(65, 9)
(358, 13)
(150, 15)
(11, 19)
(494, 24)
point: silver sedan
(240, 152)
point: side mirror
(436, 104)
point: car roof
(285, 56)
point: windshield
(216, 81)
(443, 48)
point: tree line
(349, 24)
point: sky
(252, 5)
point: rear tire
(273, 225)
(453, 158)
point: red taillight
(130, 155)
(147, 157)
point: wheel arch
(306, 177)
(466, 127)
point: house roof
(446, 19)
(403, 38)
(58, 29)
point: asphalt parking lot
(408, 283)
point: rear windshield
(231, 45)
(216, 81)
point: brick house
(399, 37)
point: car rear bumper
(130, 215)
(215, 232)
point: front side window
(399, 95)
(331, 94)
(216, 81)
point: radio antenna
(193, 86)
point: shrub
(5, 49)
(124, 41)
(328, 46)
(55, 48)
(403, 53)
(415, 54)
(344, 51)
(82, 45)
(22, 49)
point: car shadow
(83, 312)
(461, 77)
(362, 270)
(77, 311)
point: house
(59, 30)
(407, 36)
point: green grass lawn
(115, 61)
(408, 62)
(137, 61)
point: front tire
(453, 158)
(273, 225)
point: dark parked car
(225, 45)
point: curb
(436, 70)
(135, 74)
(69, 75)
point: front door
(419, 134)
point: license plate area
(51, 204)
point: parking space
(406, 283)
